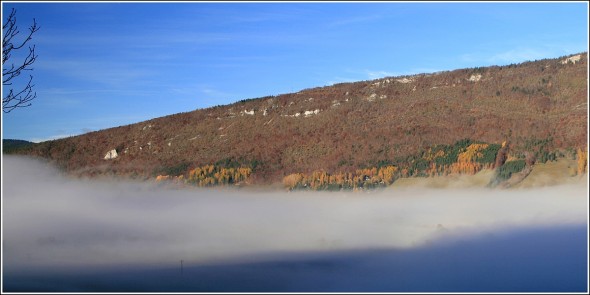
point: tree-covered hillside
(415, 123)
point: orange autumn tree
(360, 179)
(292, 180)
(467, 161)
(209, 175)
(582, 161)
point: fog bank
(53, 222)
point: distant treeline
(211, 175)
(12, 145)
(463, 157)
(360, 179)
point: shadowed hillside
(12, 145)
(537, 107)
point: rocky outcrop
(112, 154)
(474, 78)
(572, 59)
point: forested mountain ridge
(9, 145)
(537, 108)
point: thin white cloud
(378, 74)
(354, 20)
(517, 55)
(423, 71)
(52, 137)
(109, 73)
(200, 90)
(77, 92)
(368, 74)
(63, 129)
(337, 80)
(201, 95)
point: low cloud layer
(54, 222)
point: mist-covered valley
(63, 234)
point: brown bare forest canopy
(539, 107)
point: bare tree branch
(17, 99)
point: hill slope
(532, 105)
(11, 145)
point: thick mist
(429, 237)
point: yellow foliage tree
(293, 180)
(467, 160)
(211, 175)
(582, 161)
(361, 178)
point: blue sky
(104, 65)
